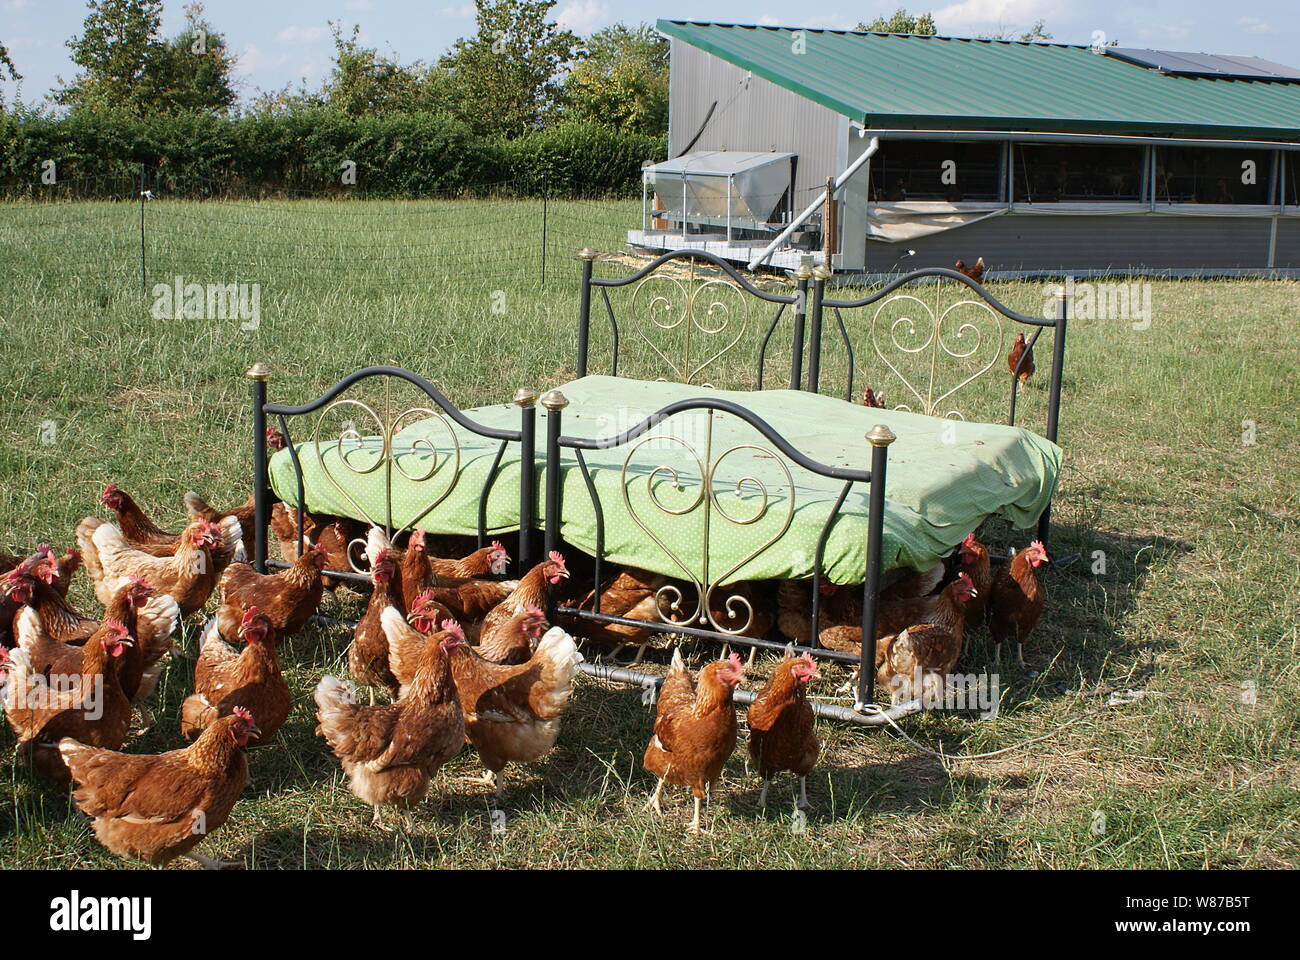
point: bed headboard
(688, 309)
(930, 335)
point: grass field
(1197, 606)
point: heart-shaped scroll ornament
(960, 342)
(689, 326)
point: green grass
(1199, 532)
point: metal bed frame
(807, 307)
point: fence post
(526, 400)
(259, 373)
(801, 277)
(544, 212)
(144, 275)
(588, 258)
(821, 273)
(880, 438)
(554, 402)
(1054, 396)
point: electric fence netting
(115, 230)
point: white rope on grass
(1115, 700)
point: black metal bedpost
(554, 402)
(801, 277)
(527, 401)
(1054, 397)
(588, 258)
(259, 373)
(821, 273)
(880, 438)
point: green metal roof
(895, 80)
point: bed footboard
(690, 502)
(377, 452)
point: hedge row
(395, 155)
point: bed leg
(880, 438)
(554, 402)
(259, 373)
(526, 399)
(802, 276)
(1054, 396)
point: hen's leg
(762, 795)
(1020, 656)
(654, 798)
(208, 863)
(803, 794)
(611, 658)
(377, 821)
(695, 821)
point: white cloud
(767, 20)
(17, 4)
(300, 35)
(970, 16)
(1254, 25)
(252, 60)
(581, 16)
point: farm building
(1040, 157)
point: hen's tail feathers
(196, 507)
(90, 553)
(376, 540)
(678, 665)
(560, 658)
(335, 703)
(196, 714)
(232, 542)
(155, 625)
(29, 631)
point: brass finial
(259, 371)
(821, 272)
(803, 273)
(586, 253)
(554, 400)
(881, 436)
(525, 397)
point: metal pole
(800, 311)
(588, 257)
(144, 277)
(544, 211)
(821, 273)
(880, 438)
(259, 373)
(1054, 397)
(554, 402)
(730, 186)
(812, 207)
(527, 402)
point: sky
(278, 42)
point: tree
(365, 81)
(900, 21)
(7, 66)
(622, 81)
(1035, 34)
(505, 78)
(127, 65)
(192, 71)
(119, 40)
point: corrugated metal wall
(1046, 242)
(751, 115)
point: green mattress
(944, 478)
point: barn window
(1213, 175)
(1291, 183)
(1073, 172)
(929, 170)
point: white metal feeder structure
(732, 198)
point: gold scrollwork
(701, 316)
(670, 598)
(364, 453)
(930, 337)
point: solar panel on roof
(1205, 64)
